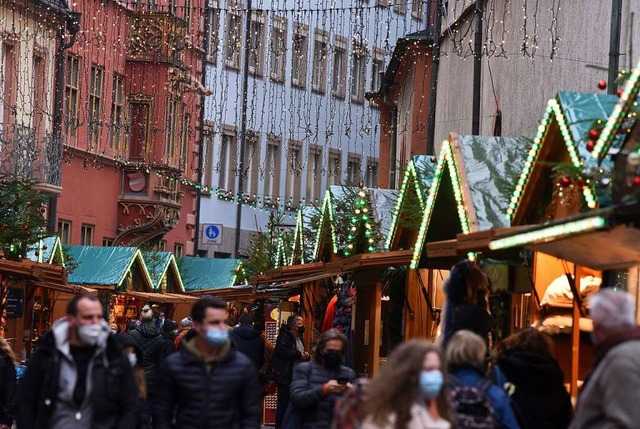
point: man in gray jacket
(608, 397)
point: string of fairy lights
(325, 108)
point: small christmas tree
(361, 236)
(22, 221)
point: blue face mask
(216, 337)
(430, 383)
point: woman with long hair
(134, 354)
(7, 384)
(409, 392)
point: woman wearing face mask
(408, 393)
(134, 356)
(318, 383)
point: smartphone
(343, 380)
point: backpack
(471, 405)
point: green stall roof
(48, 250)
(105, 266)
(207, 273)
(158, 266)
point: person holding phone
(318, 383)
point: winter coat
(608, 398)
(314, 408)
(470, 317)
(285, 355)
(470, 377)
(420, 419)
(154, 350)
(7, 389)
(169, 346)
(249, 342)
(540, 400)
(49, 381)
(226, 397)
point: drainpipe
(394, 139)
(477, 67)
(435, 67)
(614, 46)
(71, 28)
(207, 42)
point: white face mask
(133, 358)
(90, 334)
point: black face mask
(301, 330)
(332, 359)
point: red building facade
(132, 96)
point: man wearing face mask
(207, 384)
(317, 384)
(78, 378)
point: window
(64, 230)
(278, 52)
(221, 255)
(162, 245)
(172, 129)
(371, 175)
(39, 94)
(251, 163)
(334, 168)
(299, 52)
(339, 66)
(95, 105)
(353, 170)
(233, 38)
(416, 9)
(187, 14)
(382, 3)
(178, 250)
(9, 80)
(358, 66)
(72, 89)
(377, 69)
(294, 168)
(314, 173)
(213, 31)
(207, 162)
(319, 72)
(272, 168)
(107, 242)
(400, 6)
(117, 105)
(86, 235)
(227, 160)
(139, 112)
(184, 141)
(256, 44)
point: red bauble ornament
(44, 247)
(602, 84)
(25, 227)
(636, 181)
(591, 145)
(620, 91)
(338, 209)
(37, 253)
(565, 182)
(580, 183)
(42, 210)
(594, 134)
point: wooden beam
(375, 322)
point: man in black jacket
(248, 341)
(78, 378)
(208, 384)
(285, 355)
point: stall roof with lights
(416, 182)
(562, 136)
(473, 180)
(108, 266)
(604, 239)
(326, 241)
(162, 266)
(200, 274)
(47, 250)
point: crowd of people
(202, 373)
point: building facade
(131, 129)
(306, 124)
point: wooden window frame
(278, 54)
(371, 162)
(233, 62)
(302, 58)
(334, 170)
(87, 230)
(72, 87)
(62, 226)
(319, 73)
(257, 69)
(294, 171)
(228, 171)
(213, 33)
(314, 176)
(251, 162)
(272, 186)
(359, 52)
(117, 112)
(354, 158)
(340, 44)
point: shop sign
(15, 302)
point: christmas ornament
(565, 182)
(636, 181)
(620, 92)
(602, 84)
(594, 134)
(591, 145)
(580, 183)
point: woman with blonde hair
(7, 384)
(409, 391)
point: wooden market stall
(166, 280)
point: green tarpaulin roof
(158, 265)
(492, 165)
(105, 266)
(47, 249)
(207, 273)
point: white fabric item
(558, 293)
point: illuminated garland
(550, 233)
(298, 239)
(620, 113)
(362, 217)
(552, 111)
(327, 210)
(446, 160)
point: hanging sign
(15, 302)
